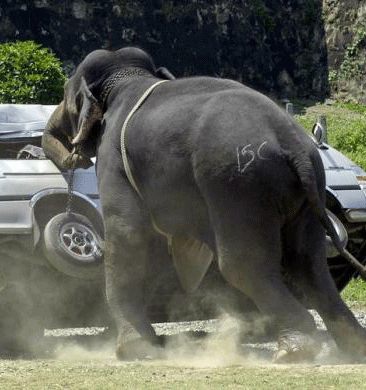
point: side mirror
(319, 133)
(320, 130)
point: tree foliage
(30, 73)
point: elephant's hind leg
(249, 253)
(313, 275)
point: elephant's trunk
(56, 144)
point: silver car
(51, 235)
(346, 205)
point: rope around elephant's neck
(129, 175)
(124, 74)
(123, 133)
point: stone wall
(277, 46)
(345, 24)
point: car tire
(73, 246)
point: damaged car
(51, 236)
(346, 206)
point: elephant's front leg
(126, 253)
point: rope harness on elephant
(126, 165)
(118, 76)
(191, 257)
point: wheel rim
(79, 241)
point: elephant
(222, 173)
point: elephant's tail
(302, 164)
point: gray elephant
(219, 170)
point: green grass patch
(351, 106)
(108, 374)
(346, 126)
(355, 292)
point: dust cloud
(219, 347)
(74, 352)
(224, 345)
(230, 339)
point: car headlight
(362, 182)
(358, 215)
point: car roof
(23, 120)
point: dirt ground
(75, 368)
(216, 361)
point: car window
(21, 129)
(21, 149)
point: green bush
(30, 73)
(350, 139)
(346, 124)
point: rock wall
(345, 24)
(277, 46)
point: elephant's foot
(295, 346)
(140, 349)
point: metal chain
(71, 184)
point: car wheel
(73, 246)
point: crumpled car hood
(341, 178)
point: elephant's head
(71, 134)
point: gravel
(173, 328)
(223, 329)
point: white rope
(124, 153)
(123, 132)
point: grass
(355, 293)
(114, 375)
(346, 126)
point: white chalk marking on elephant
(260, 150)
(244, 152)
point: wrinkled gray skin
(213, 160)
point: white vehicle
(51, 236)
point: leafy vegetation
(352, 63)
(346, 127)
(355, 292)
(30, 73)
(352, 69)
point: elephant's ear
(164, 73)
(90, 113)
